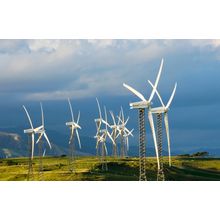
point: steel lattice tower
(142, 145)
(103, 157)
(40, 174)
(115, 150)
(71, 158)
(30, 162)
(160, 174)
(123, 153)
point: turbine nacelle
(159, 110)
(141, 104)
(72, 124)
(29, 131)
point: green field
(89, 168)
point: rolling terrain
(89, 169)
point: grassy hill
(89, 168)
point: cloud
(54, 69)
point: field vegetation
(90, 169)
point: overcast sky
(52, 70)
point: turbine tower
(73, 126)
(41, 133)
(159, 111)
(141, 106)
(30, 132)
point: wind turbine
(115, 133)
(30, 132)
(98, 122)
(41, 133)
(163, 109)
(124, 133)
(101, 138)
(141, 106)
(73, 126)
(126, 136)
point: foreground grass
(89, 168)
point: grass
(89, 168)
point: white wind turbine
(124, 133)
(31, 132)
(142, 105)
(164, 110)
(114, 134)
(101, 137)
(41, 132)
(99, 133)
(105, 131)
(73, 126)
(99, 120)
(126, 136)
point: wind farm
(109, 128)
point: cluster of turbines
(41, 132)
(159, 112)
(116, 131)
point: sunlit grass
(89, 168)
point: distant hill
(15, 145)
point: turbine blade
(120, 120)
(127, 120)
(110, 137)
(138, 94)
(168, 135)
(122, 114)
(158, 95)
(150, 117)
(100, 113)
(129, 132)
(171, 97)
(113, 117)
(157, 81)
(78, 118)
(106, 119)
(42, 114)
(71, 109)
(119, 117)
(45, 135)
(39, 138)
(106, 123)
(71, 134)
(29, 118)
(32, 146)
(44, 153)
(106, 150)
(77, 134)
